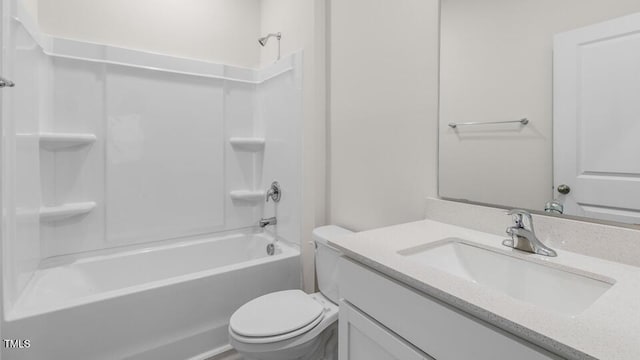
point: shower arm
(263, 40)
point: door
(362, 338)
(597, 120)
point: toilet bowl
(290, 324)
(284, 326)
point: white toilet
(291, 324)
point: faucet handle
(274, 192)
(519, 217)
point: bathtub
(169, 302)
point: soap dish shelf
(247, 195)
(249, 144)
(57, 141)
(65, 211)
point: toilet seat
(276, 317)
(282, 337)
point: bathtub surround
(280, 111)
(22, 254)
(102, 161)
(135, 199)
(302, 23)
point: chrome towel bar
(524, 121)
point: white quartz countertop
(608, 329)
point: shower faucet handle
(274, 192)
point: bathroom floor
(229, 355)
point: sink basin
(561, 290)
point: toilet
(290, 324)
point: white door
(362, 338)
(597, 120)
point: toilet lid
(275, 314)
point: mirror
(539, 106)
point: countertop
(608, 329)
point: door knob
(564, 189)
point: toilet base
(323, 347)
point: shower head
(263, 40)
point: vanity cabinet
(381, 318)
(361, 337)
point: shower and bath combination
(210, 236)
(77, 231)
(263, 41)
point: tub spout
(270, 221)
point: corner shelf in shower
(247, 195)
(57, 141)
(64, 211)
(251, 144)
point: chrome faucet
(523, 236)
(269, 221)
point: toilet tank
(326, 258)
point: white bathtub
(168, 302)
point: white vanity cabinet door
(433, 327)
(362, 338)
